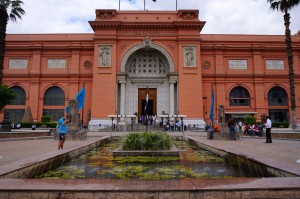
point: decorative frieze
(147, 33)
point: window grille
(239, 96)
(20, 96)
(54, 96)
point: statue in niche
(189, 56)
(221, 110)
(104, 56)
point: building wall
(126, 29)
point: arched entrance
(147, 70)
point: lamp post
(112, 123)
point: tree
(9, 10)
(285, 6)
(6, 96)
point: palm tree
(6, 96)
(9, 10)
(285, 6)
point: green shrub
(280, 124)
(147, 141)
(250, 120)
(46, 119)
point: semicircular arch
(140, 46)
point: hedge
(280, 124)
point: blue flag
(211, 113)
(80, 99)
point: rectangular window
(275, 64)
(18, 63)
(237, 64)
(56, 63)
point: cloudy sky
(221, 16)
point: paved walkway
(283, 154)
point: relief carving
(104, 55)
(189, 59)
(147, 42)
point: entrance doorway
(152, 101)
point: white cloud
(221, 16)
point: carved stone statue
(221, 115)
(189, 56)
(104, 56)
(73, 116)
(73, 109)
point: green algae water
(100, 164)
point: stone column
(172, 97)
(122, 101)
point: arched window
(20, 96)
(54, 96)
(277, 97)
(239, 96)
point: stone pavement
(283, 154)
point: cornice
(32, 48)
(228, 76)
(98, 25)
(232, 48)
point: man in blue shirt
(62, 131)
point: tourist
(268, 126)
(240, 127)
(251, 130)
(232, 131)
(18, 126)
(211, 131)
(33, 126)
(216, 127)
(62, 131)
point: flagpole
(144, 5)
(82, 107)
(119, 4)
(176, 5)
(146, 115)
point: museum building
(159, 53)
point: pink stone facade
(255, 63)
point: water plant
(100, 163)
(146, 141)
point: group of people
(149, 120)
(254, 130)
(15, 126)
(250, 129)
(168, 125)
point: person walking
(62, 131)
(232, 131)
(268, 126)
